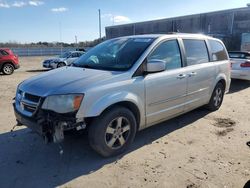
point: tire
(216, 98)
(8, 69)
(61, 65)
(105, 136)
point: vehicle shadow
(238, 85)
(25, 161)
(38, 70)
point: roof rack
(185, 33)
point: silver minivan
(124, 85)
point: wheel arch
(223, 82)
(129, 105)
(5, 62)
(65, 64)
(221, 78)
(90, 110)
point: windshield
(65, 55)
(115, 55)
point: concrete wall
(228, 25)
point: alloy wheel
(117, 132)
(218, 96)
(8, 69)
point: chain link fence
(41, 51)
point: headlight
(63, 103)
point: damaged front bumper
(48, 124)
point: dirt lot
(198, 149)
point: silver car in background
(240, 65)
(124, 85)
(65, 59)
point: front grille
(32, 98)
(27, 103)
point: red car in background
(8, 61)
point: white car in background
(240, 65)
(63, 60)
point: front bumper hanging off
(49, 125)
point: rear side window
(168, 52)
(196, 51)
(3, 52)
(218, 51)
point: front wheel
(61, 65)
(112, 133)
(217, 97)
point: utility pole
(100, 24)
(76, 40)
(60, 31)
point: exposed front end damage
(50, 125)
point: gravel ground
(198, 149)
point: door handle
(192, 74)
(181, 76)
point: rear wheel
(8, 69)
(217, 97)
(61, 65)
(112, 132)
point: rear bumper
(17, 66)
(240, 74)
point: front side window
(218, 51)
(168, 52)
(196, 51)
(79, 54)
(73, 55)
(115, 54)
(65, 55)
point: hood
(65, 80)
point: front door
(165, 91)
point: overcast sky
(41, 20)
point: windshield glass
(65, 55)
(115, 55)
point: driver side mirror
(155, 65)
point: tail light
(246, 64)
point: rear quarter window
(218, 51)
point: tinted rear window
(218, 51)
(239, 55)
